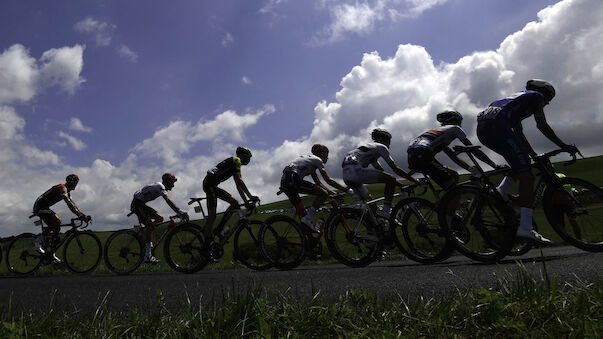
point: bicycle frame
(74, 229)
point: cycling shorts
(355, 176)
(498, 136)
(48, 216)
(292, 185)
(213, 193)
(422, 160)
(142, 211)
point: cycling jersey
(224, 170)
(496, 123)
(368, 154)
(151, 192)
(514, 108)
(51, 197)
(305, 165)
(438, 138)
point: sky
(121, 92)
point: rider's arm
(450, 153)
(172, 205)
(72, 206)
(519, 131)
(398, 170)
(320, 184)
(241, 187)
(547, 131)
(330, 181)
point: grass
(522, 307)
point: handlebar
(546, 156)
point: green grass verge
(517, 308)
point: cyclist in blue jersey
(499, 128)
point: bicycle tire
(283, 242)
(82, 252)
(183, 249)
(247, 248)
(417, 232)
(124, 252)
(352, 238)
(485, 232)
(21, 255)
(579, 204)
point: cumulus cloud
(75, 143)
(171, 142)
(361, 17)
(127, 53)
(77, 125)
(101, 31)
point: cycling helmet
(243, 152)
(545, 88)
(381, 135)
(450, 118)
(169, 178)
(320, 151)
(71, 180)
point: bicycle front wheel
(480, 225)
(82, 252)
(183, 249)
(417, 232)
(575, 211)
(21, 255)
(124, 252)
(283, 242)
(352, 238)
(247, 248)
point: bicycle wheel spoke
(282, 242)
(184, 250)
(352, 239)
(82, 252)
(21, 255)
(247, 246)
(124, 252)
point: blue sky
(120, 92)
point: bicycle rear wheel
(478, 223)
(575, 211)
(124, 252)
(82, 252)
(183, 249)
(247, 247)
(283, 242)
(21, 255)
(417, 232)
(352, 238)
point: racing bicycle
(82, 249)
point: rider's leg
(388, 193)
(151, 221)
(321, 196)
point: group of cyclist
(499, 128)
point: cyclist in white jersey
(422, 150)
(149, 216)
(356, 170)
(293, 183)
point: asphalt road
(173, 290)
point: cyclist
(356, 170)
(422, 150)
(52, 220)
(147, 215)
(499, 128)
(293, 183)
(229, 167)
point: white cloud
(76, 124)
(18, 75)
(245, 80)
(62, 67)
(126, 53)
(270, 5)
(361, 17)
(227, 40)
(101, 31)
(171, 142)
(76, 143)
(10, 123)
